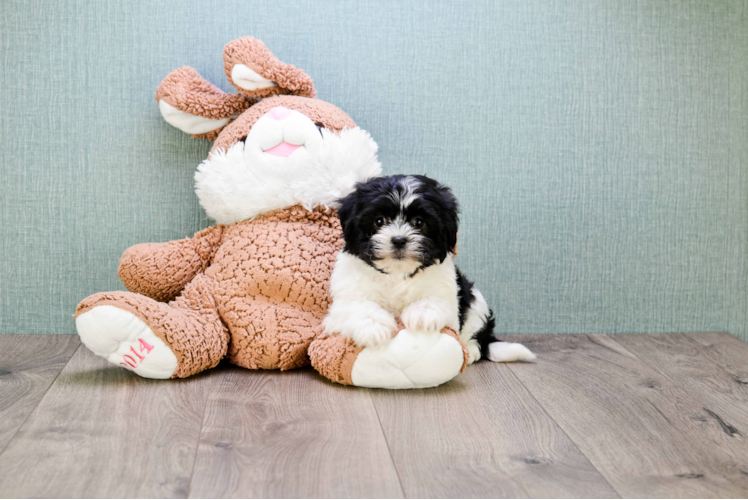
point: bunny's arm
(161, 270)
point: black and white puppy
(398, 261)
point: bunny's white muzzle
(286, 159)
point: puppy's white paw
(425, 315)
(473, 351)
(374, 330)
(364, 322)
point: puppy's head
(399, 224)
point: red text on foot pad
(134, 361)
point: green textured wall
(599, 148)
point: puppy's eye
(418, 223)
(379, 222)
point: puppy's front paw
(425, 315)
(375, 330)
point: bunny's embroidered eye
(319, 129)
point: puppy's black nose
(399, 241)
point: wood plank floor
(605, 416)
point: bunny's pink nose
(279, 113)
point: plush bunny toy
(254, 288)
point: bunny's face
(284, 149)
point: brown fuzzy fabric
(189, 92)
(333, 357)
(320, 112)
(265, 282)
(161, 270)
(256, 56)
(209, 136)
(274, 273)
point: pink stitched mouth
(283, 149)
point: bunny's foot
(123, 339)
(411, 360)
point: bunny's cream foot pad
(411, 360)
(125, 340)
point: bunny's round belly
(277, 262)
(272, 288)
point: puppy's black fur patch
(485, 335)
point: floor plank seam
(197, 445)
(689, 394)
(726, 427)
(564, 431)
(386, 441)
(40, 401)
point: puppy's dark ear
(441, 196)
(347, 208)
(451, 216)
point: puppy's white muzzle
(393, 258)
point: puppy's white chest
(397, 294)
(353, 279)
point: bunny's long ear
(256, 72)
(195, 106)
